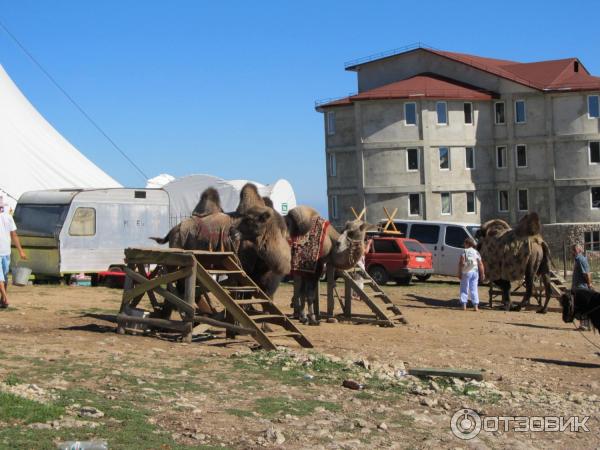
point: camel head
(210, 203)
(349, 247)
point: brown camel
(509, 254)
(316, 243)
(265, 254)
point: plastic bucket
(20, 276)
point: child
(470, 268)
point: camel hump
(210, 203)
(249, 197)
(299, 220)
(529, 225)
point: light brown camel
(509, 254)
(314, 237)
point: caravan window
(40, 220)
(83, 223)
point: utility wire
(79, 108)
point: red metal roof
(553, 75)
(420, 86)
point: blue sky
(228, 88)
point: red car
(397, 258)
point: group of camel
(261, 238)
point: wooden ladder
(386, 313)
(254, 308)
(558, 285)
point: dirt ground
(59, 350)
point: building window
(591, 240)
(83, 222)
(499, 113)
(521, 155)
(468, 108)
(523, 201)
(442, 113)
(470, 202)
(593, 106)
(503, 201)
(470, 158)
(444, 158)
(595, 197)
(594, 149)
(332, 165)
(410, 113)
(446, 203)
(334, 206)
(330, 123)
(520, 112)
(414, 204)
(412, 159)
(501, 157)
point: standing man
(582, 279)
(8, 233)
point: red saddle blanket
(307, 249)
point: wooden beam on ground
(455, 373)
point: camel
(511, 254)
(339, 251)
(254, 231)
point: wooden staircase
(248, 310)
(243, 300)
(558, 285)
(385, 312)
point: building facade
(454, 137)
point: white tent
(185, 192)
(35, 155)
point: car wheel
(424, 277)
(405, 281)
(379, 274)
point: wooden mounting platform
(189, 279)
(385, 313)
(558, 287)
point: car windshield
(40, 220)
(414, 246)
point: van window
(401, 227)
(426, 234)
(455, 237)
(385, 246)
(83, 222)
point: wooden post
(347, 299)
(317, 301)
(565, 260)
(190, 298)
(330, 291)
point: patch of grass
(12, 379)
(239, 412)
(272, 406)
(15, 408)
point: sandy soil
(530, 354)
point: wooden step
(265, 317)
(283, 333)
(223, 272)
(240, 288)
(253, 301)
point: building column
(551, 170)
(426, 159)
(360, 171)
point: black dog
(581, 304)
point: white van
(443, 239)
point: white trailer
(86, 230)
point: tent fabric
(34, 155)
(184, 194)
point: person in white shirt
(470, 268)
(8, 233)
